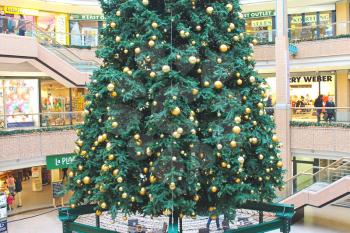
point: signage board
(259, 14)
(57, 189)
(87, 17)
(59, 161)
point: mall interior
(45, 68)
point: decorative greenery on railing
(36, 130)
(319, 124)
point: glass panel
(325, 25)
(296, 25)
(261, 28)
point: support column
(282, 113)
(343, 17)
(342, 95)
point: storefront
(84, 29)
(261, 24)
(302, 25)
(46, 25)
(22, 101)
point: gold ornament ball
(152, 179)
(218, 85)
(137, 50)
(206, 84)
(118, 39)
(240, 159)
(83, 153)
(238, 119)
(233, 144)
(255, 42)
(114, 124)
(261, 157)
(239, 82)
(80, 167)
(105, 167)
(71, 174)
(254, 141)
(151, 43)
(223, 48)
(194, 91)
(252, 79)
(180, 130)
(103, 205)
(196, 198)
(238, 180)
(279, 164)
(98, 212)
(198, 28)
(86, 180)
(275, 138)
(111, 157)
(192, 60)
(117, 13)
(145, 2)
(124, 195)
(115, 172)
(213, 189)
(132, 199)
(166, 69)
(209, 10)
(176, 111)
(73, 206)
(172, 186)
(153, 74)
(219, 60)
(260, 179)
(142, 191)
(110, 87)
(240, 15)
(232, 26)
(236, 38)
(260, 105)
(154, 25)
(248, 110)
(236, 130)
(137, 136)
(113, 25)
(78, 181)
(229, 7)
(223, 164)
(114, 94)
(120, 179)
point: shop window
(326, 26)
(21, 98)
(261, 28)
(84, 33)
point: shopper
(270, 111)
(10, 181)
(217, 221)
(330, 112)
(22, 26)
(3, 22)
(10, 199)
(319, 104)
(11, 24)
(18, 186)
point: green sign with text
(59, 161)
(88, 17)
(259, 14)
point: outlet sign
(59, 161)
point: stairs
(323, 187)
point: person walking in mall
(330, 109)
(10, 181)
(22, 26)
(3, 22)
(270, 111)
(18, 189)
(217, 221)
(319, 104)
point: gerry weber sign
(312, 79)
(59, 161)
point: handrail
(314, 174)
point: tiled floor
(49, 223)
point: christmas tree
(175, 120)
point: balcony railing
(84, 39)
(37, 120)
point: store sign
(261, 23)
(312, 79)
(88, 17)
(259, 14)
(18, 11)
(59, 161)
